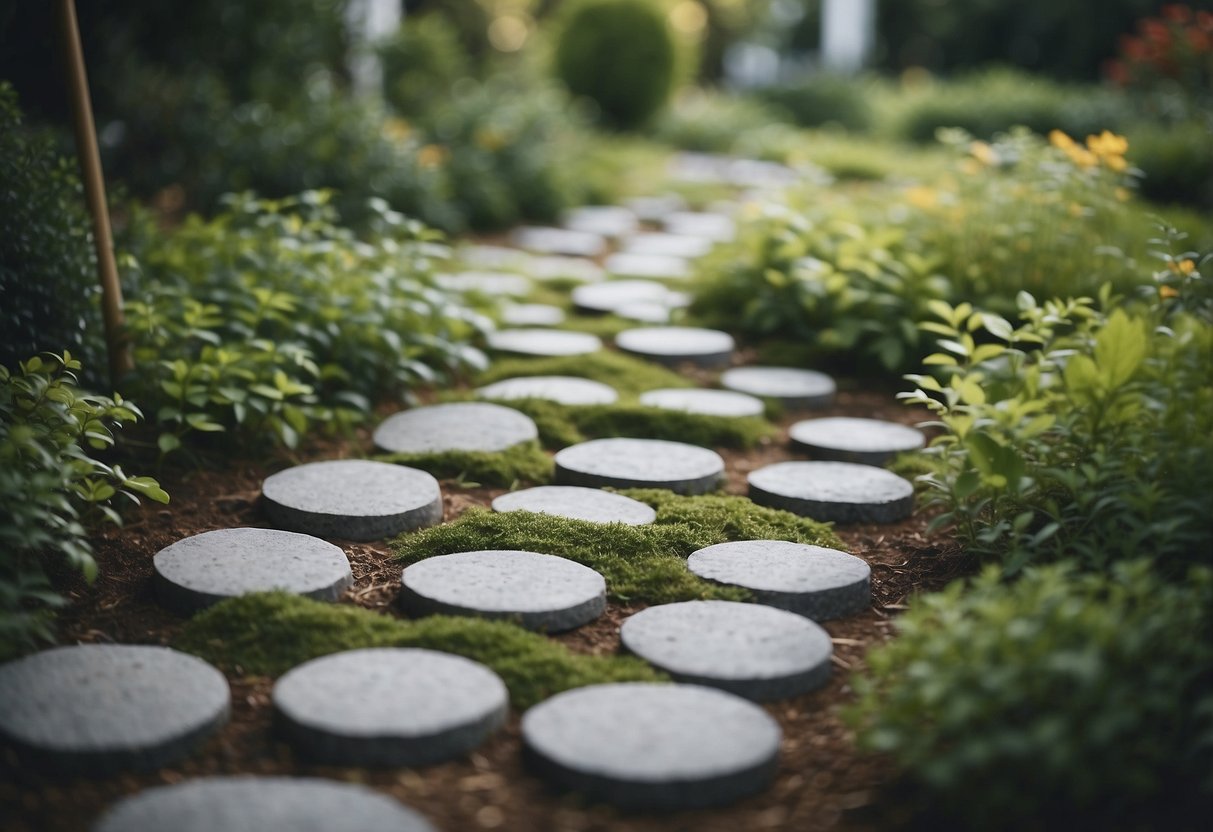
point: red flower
(1156, 32)
(1177, 13)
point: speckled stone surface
(553, 267)
(100, 708)
(751, 650)
(578, 503)
(813, 581)
(388, 707)
(645, 312)
(719, 228)
(667, 245)
(543, 342)
(492, 257)
(658, 266)
(675, 344)
(260, 804)
(495, 284)
(355, 499)
(606, 220)
(558, 241)
(704, 402)
(653, 746)
(537, 591)
(531, 314)
(655, 208)
(838, 492)
(600, 298)
(640, 463)
(460, 426)
(867, 441)
(568, 390)
(207, 568)
(791, 387)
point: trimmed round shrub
(621, 54)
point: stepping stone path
(704, 402)
(461, 426)
(493, 257)
(658, 243)
(653, 746)
(672, 345)
(389, 707)
(645, 313)
(813, 581)
(655, 208)
(559, 241)
(834, 492)
(566, 390)
(565, 268)
(660, 266)
(494, 284)
(754, 651)
(100, 708)
(543, 342)
(640, 463)
(353, 499)
(207, 568)
(531, 314)
(536, 591)
(718, 228)
(792, 388)
(260, 804)
(606, 220)
(578, 503)
(602, 298)
(866, 441)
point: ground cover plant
(523, 464)
(628, 375)
(269, 633)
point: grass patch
(524, 464)
(604, 326)
(630, 376)
(269, 633)
(640, 563)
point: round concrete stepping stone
(460, 426)
(207, 568)
(578, 503)
(558, 241)
(789, 386)
(607, 220)
(812, 581)
(260, 804)
(659, 266)
(751, 650)
(543, 342)
(493, 257)
(495, 284)
(667, 245)
(674, 344)
(653, 746)
(601, 298)
(537, 591)
(719, 228)
(355, 499)
(655, 208)
(867, 441)
(97, 708)
(645, 312)
(836, 492)
(555, 267)
(567, 390)
(640, 463)
(531, 314)
(704, 402)
(389, 706)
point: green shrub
(51, 489)
(621, 54)
(1176, 160)
(421, 64)
(1062, 699)
(711, 122)
(818, 100)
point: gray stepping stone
(493, 257)
(835, 492)
(653, 746)
(207, 568)
(354, 499)
(659, 266)
(704, 402)
(867, 441)
(260, 804)
(543, 342)
(812, 581)
(601, 298)
(554, 267)
(496, 284)
(567, 390)
(536, 591)
(672, 345)
(558, 241)
(791, 387)
(531, 314)
(98, 708)
(718, 228)
(751, 650)
(461, 426)
(607, 220)
(577, 503)
(667, 245)
(640, 463)
(655, 208)
(389, 707)
(645, 312)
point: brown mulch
(823, 781)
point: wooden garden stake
(94, 192)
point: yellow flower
(432, 155)
(922, 197)
(970, 167)
(1168, 292)
(1122, 194)
(1076, 210)
(491, 139)
(396, 128)
(985, 154)
(1060, 140)
(1082, 157)
(1110, 149)
(1186, 267)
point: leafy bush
(1171, 58)
(621, 54)
(51, 488)
(1176, 161)
(817, 100)
(421, 64)
(711, 122)
(1062, 699)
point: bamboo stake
(94, 192)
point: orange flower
(1060, 140)
(1166, 292)
(985, 154)
(432, 155)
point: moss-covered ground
(524, 464)
(640, 563)
(629, 376)
(269, 633)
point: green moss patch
(640, 563)
(604, 326)
(269, 633)
(630, 376)
(524, 464)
